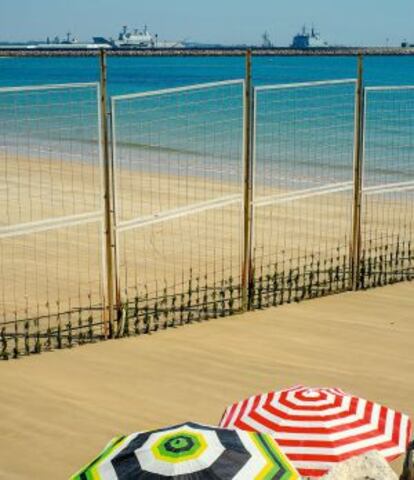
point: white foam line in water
(305, 84)
(178, 212)
(389, 88)
(389, 188)
(49, 224)
(302, 194)
(58, 86)
(165, 91)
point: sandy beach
(58, 269)
(65, 264)
(59, 409)
(178, 234)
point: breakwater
(188, 52)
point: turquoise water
(303, 136)
(127, 75)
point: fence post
(247, 270)
(108, 213)
(357, 178)
(114, 209)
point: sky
(345, 22)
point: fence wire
(50, 205)
(304, 137)
(178, 184)
(388, 186)
(177, 191)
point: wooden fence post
(355, 248)
(108, 203)
(247, 267)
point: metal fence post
(357, 178)
(247, 270)
(108, 213)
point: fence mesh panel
(304, 136)
(50, 206)
(178, 184)
(177, 187)
(388, 186)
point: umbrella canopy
(190, 451)
(318, 427)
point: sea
(135, 74)
(303, 136)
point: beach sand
(59, 269)
(59, 409)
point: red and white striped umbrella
(318, 427)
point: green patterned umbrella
(190, 451)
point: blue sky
(353, 22)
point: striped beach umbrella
(318, 427)
(190, 451)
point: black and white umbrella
(190, 451)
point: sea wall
(183, 52)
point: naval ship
(68, 43)
(140, 39)
(306, 39)
(136, 39)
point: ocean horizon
(135, 74)
(303, 136)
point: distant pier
(189, 52)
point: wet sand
(59, 409)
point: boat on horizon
(306, 39)
(136, 38)
(70, 42)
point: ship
(266, 42)
(136, 38)
(306, 39)
(68, 43)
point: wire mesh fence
(388, 186)
(51, 208)
(179, 163)
(304, 137)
